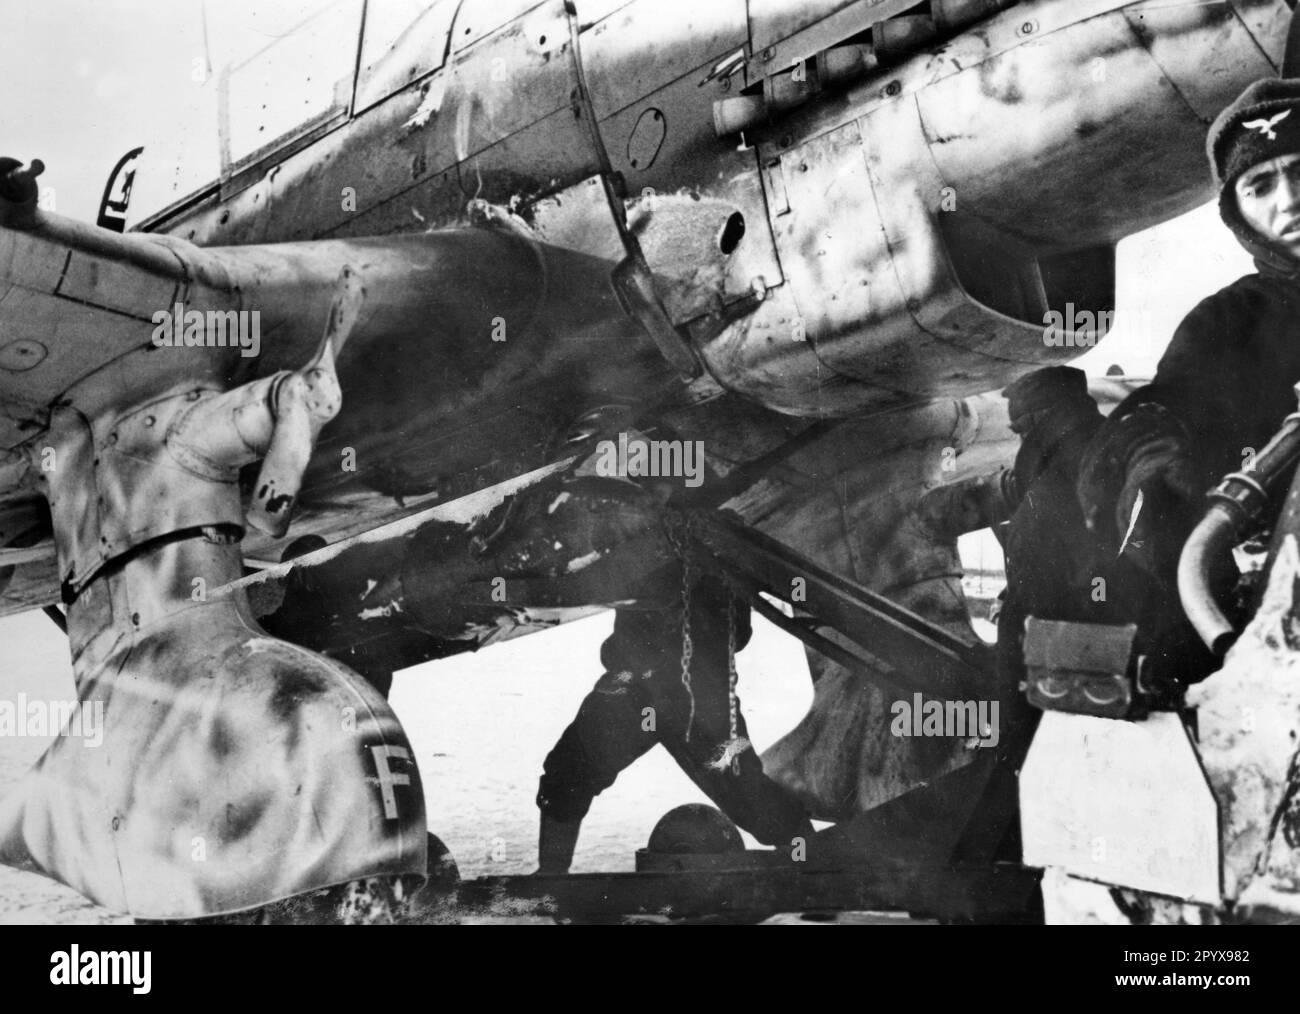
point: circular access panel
(21, 355)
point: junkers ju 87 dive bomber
(499, 313)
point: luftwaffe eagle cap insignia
(1258, 127)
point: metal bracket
(876, 638)
(632, 279)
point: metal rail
(880, 639)
(1002, 893)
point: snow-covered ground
(480, 724)
(34, 661)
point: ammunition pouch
(1093, 669)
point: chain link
(732, 677)
(679, 535)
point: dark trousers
(631, 709)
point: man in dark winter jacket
(1226, 381)
(1051, 563)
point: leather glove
(1147, 453)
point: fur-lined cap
(1261, 125)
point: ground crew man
(670, 682)
(1226, 381)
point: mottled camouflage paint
(236, 769)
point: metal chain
(732, 677)
(680, 540)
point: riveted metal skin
(861, 287)
(232, 769)
(971, 188)
(918, 217)
(115, 486)
(229, 769)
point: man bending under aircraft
(650, 693)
